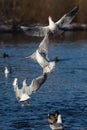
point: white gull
(41, 56)
(53, 27)
(24, 93)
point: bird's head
(49, 17)
(56, 113)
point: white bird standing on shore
(53, 27)
(24, 93)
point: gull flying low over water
(55, 121)
(41, 56)
(20, 92)
(53, 27)
(24, 93)
(43, 47)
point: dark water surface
(65, 89)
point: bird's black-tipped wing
(73, 11)
(36, 83)
(68, 18)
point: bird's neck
(52, 25)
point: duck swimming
(55, 121)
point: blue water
(65, 89)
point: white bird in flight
(20, 92)
(41, 56)
(53, 27)
(24, 93)
(47, 65)
(43, 47)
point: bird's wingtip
(44, 73)
(76, 7)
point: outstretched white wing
(43, 30)
(67, 18)
(32, 57)
(43, 48)
(37, 83)
(35, 30)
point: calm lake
(65, 89)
